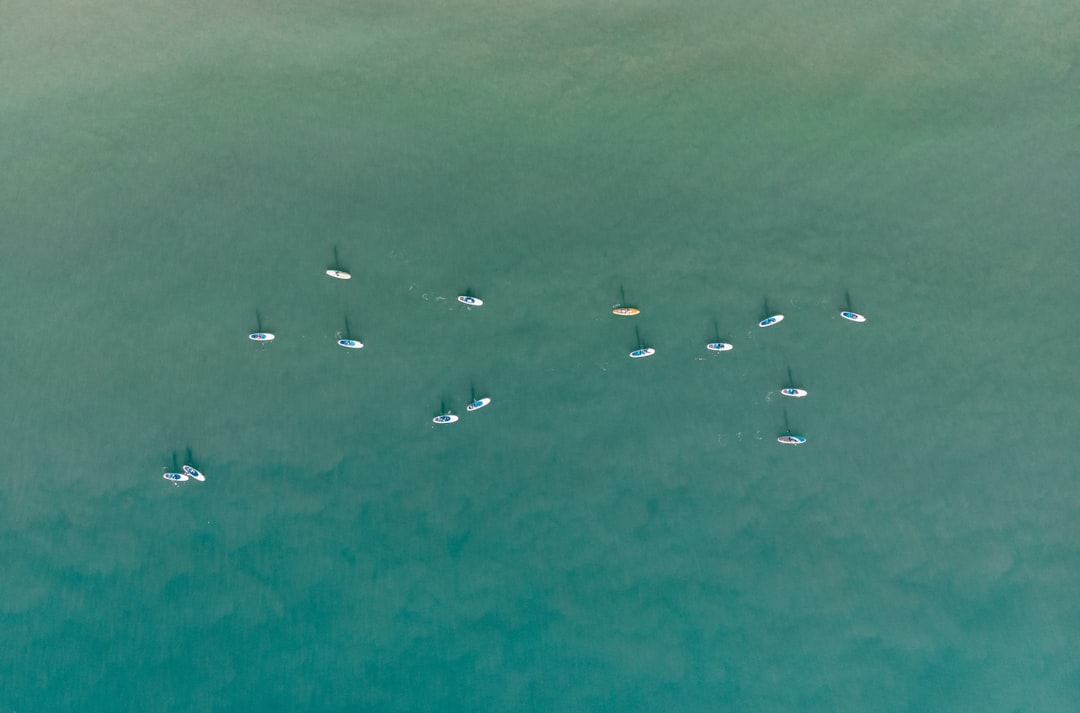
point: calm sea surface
(609, 534)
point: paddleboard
(770, 321)
(175, 477)
(478, 404)
(350, 344)
(471, 301)
(445, 418)
(626, 311)
(194, 473)
(719, 347)
(339, 274)
(639, 353)
(791, 439)
(261, 337)
(793, 393)
(852, 316)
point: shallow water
(609, 534)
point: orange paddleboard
(626, 311)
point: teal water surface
(609, 534)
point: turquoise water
(610, 534)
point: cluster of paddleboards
(620, 310)
(445, 418)
(268, 337)
(188, 474)
(624, 311)
(778, 318)
(342, 275)
(448, 417)
(347, 343)
(642, 351)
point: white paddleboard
(719, 347)
(792, 439)
(793, 393)
(770, 321)
(445, 418)
(471, 301)
(175, 477)
(350, 344)
(641, 353)
(852, 316)
(478, 404)
(261, 337)
(339, 274)
(194, 473)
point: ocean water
(609, 534)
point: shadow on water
(473, 391)
(337, 261)
(259, 322)
(790, 379)
(847, 301)
(622, 300)
(189, 458)
(716, 335)
(348, 329)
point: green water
(610, 534)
